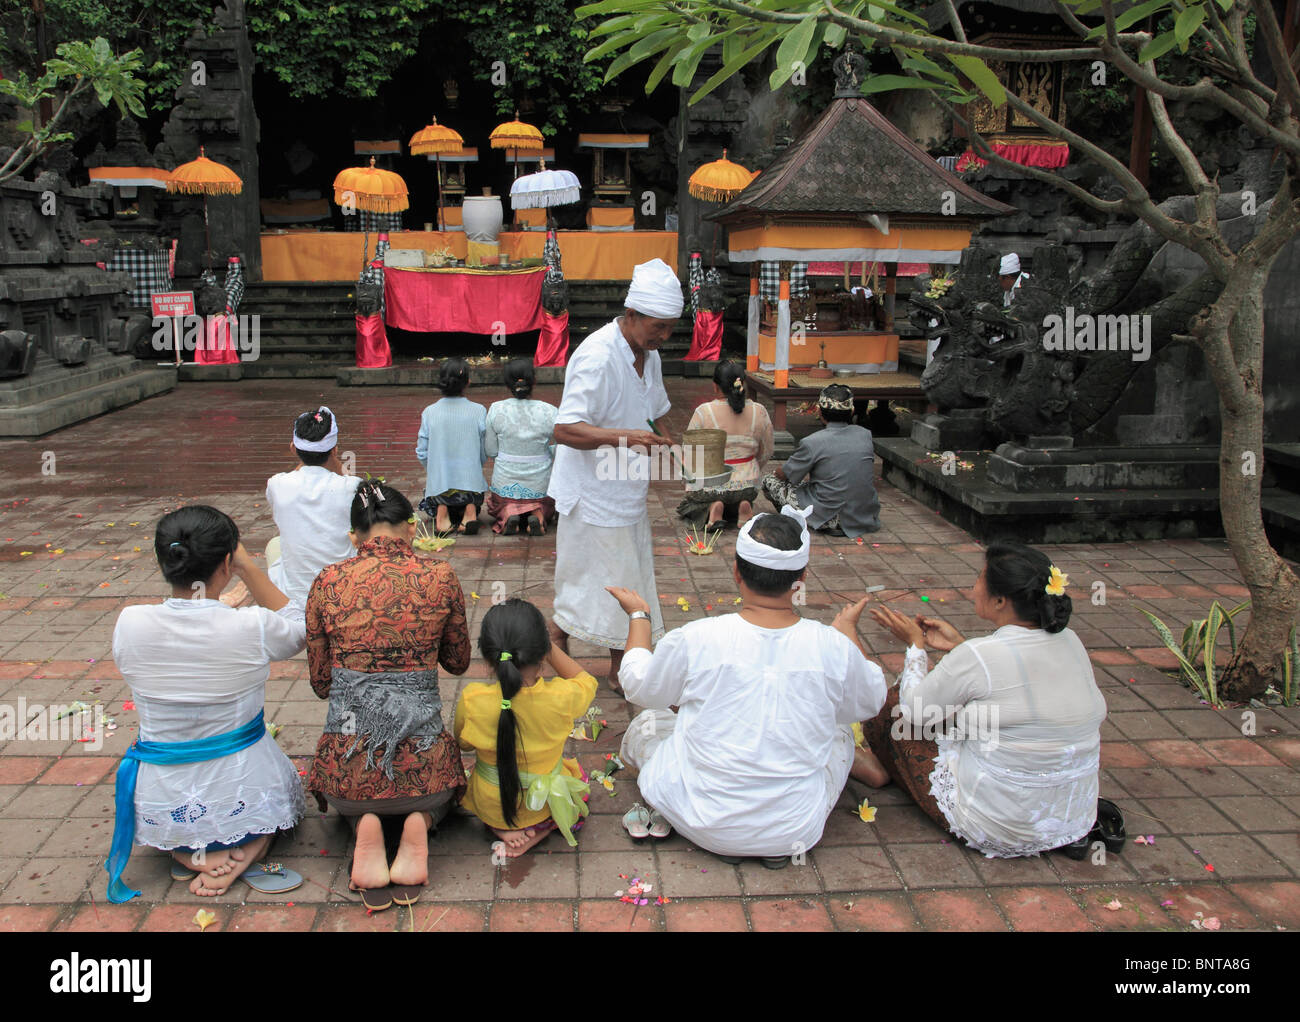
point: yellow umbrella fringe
(374, 203)
(428, 148)
(205, 187)
(708, 194)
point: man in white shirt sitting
(312, 507)
(761, 744)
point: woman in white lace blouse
(1000, 742)
(211, 785)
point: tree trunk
(1274, 588)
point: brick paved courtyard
(1223, 808)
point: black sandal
(470, 526)
(512, 526)
(1110, 825)
(535, 527)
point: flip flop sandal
(732, 860)
(271, 878)
(181, 874)
(405, 894)
(512, 526)
(535, 527)
(376, 901)
(1110, 825)
(471, 526)
(775, 861)
(659, 827)
(636, 821)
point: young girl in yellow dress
(522, 786)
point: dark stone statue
(17, 353)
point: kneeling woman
(378, 626)
(205, 781)
(1017, 772)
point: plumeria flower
(1056, 582)
(866, 813)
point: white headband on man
(655, 292)
(327, 443)
(1010, 264)
(763, 556)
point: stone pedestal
(961, 429)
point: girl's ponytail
(513, 636)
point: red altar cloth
(553, 341)
(464, 300)
(706, 340)
(1049, 155)
(216, 348)
(372, 343)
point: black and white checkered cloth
(695, 277)
(149, 269)
(373, 274)
(234, 287)
(551, 257)
(365, 220)
(769, 280)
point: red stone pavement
(75, 547)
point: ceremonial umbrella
(371, 189)
(719, 181)
(204, 177)
(516, 135)
(437, 139)
(545, 189)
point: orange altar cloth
(867, 352)
(586, 255)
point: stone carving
(555, 295)
(17, 353)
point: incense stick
(685, 474)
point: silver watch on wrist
(638, 615)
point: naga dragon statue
(995, 359)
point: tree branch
(954, 19)
(1267, 26)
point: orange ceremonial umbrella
(719, 181)
(371, 189)
(516, 135)
(204, 177)
(437, 139)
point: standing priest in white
(613, 391)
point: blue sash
(163, 754)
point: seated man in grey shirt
(832, 471)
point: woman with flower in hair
(378, 626)
(749, 445)
(1000, 742)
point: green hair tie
(505, 704)
(505, 656)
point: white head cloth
(655, 291)
(1010, 265)
(764, 556)
(327, 443)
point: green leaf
(1186, 24)
(792, 51)
(1189, 669)
(1212, 625)
(980, 75)
(764, 39)
(887, 83)
(834, 35)
(1158, 47)
(1130, 17)
(661, 69)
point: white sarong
(590, 557)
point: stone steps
(46, 414)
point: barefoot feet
(411, 866)
(515, 842)
(208, 886)
(369, 860)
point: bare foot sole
(411, 866)
(369, 860)
(516, 842)
(214, 864)
(868, 769)
(212, 887)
